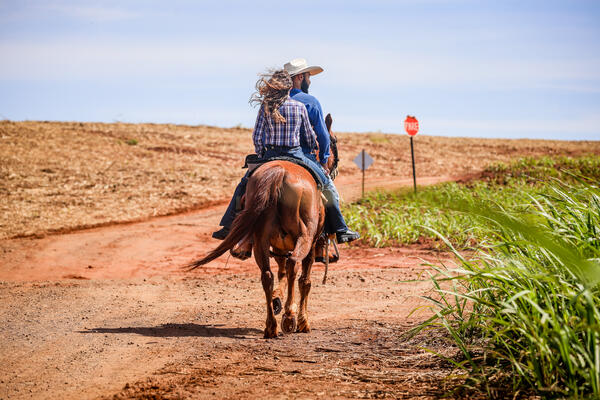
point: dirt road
(157, 247)
(108, 312)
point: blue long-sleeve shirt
(294, 132)
(315, 115)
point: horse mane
(333, 143)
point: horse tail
(262, 193)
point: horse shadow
(183, 330)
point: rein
(334, 150)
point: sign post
(363, 172)
(364, 161)
(412, 127)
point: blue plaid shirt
(297, 127)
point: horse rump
(262, 193)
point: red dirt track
(109, 312)
(158, 247)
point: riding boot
(334, 220)
(320, 247)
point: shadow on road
(181, 330)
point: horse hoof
(288, 323)
(276, 305)
(270, 334)
(303, 327)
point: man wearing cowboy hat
(334, 220)
(301, 72)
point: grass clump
(532, 170)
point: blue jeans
(334, 221)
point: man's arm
(257, 134)
(309, 134)
(315, 113)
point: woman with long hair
(282, 128)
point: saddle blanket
(253, 161)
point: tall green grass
(401, 217)
(527, 308)
(524, 310)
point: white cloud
(107, 60)
(576, 128)
(344, 64)
(92, 13)
(25, 11)
(586, 125)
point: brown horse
(243, 250)
(283, 212)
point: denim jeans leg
(231, 211)
(333, 217)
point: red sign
(411, 125)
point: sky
(507, 69)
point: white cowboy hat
(299, 66)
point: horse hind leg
(278, 292)
(311, 228)
(261, 255)
(304, 285)
(288, 320)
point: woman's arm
(309, 133)
(258, 133)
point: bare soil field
(60, 176)
(107, 312)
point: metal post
(363, 173)
(412, 153)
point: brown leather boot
(242, 250)
(320, 250)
